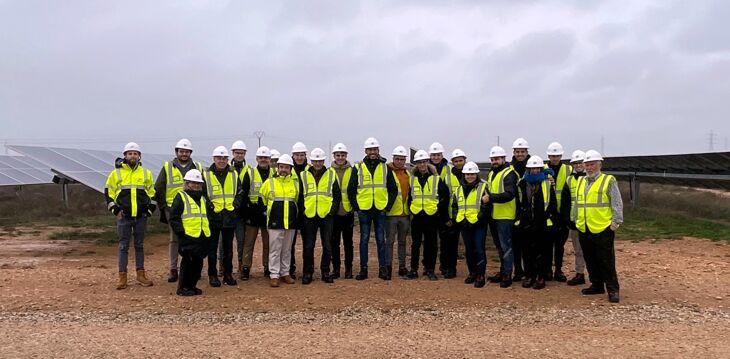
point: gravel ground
(57, 300)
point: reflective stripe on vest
(133, 180)
(470, 206)
(280, 194)
(593, 205)
(496, 186)
(372, 189)
(256, 182)
(563, 175)
(221, 195)
(452, 182)
(174, 180)
(424, 198)
(399, 208)
(194, 217)
(346, 205)
(318, 195)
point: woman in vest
(428, 202)
(538, 210)
(470, 215)
(188, 219)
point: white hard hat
(593, 155)
(238, 145)
(520, 143)
(132, 146)
(400, 151)
(420, 155)
(340, 147)
(317, 154)
(184, 144)
(435, 148)
(194, 176)
(285, 159)
(555, 149)
(578, 156)
(458, 153)
(371, 142)
(220, 151)
(298, 147)
(275, 154)
(497, 151)
(535, 162)
(470, 167)
(263, 151)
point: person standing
(447, 231)
(398, 222)
(471, 217)
(256, 212)
(299, 156)
(238, 162)
(343, 221)
(599, 213)
(576, 160)
(561, 172)
(189, 220)
(129, 194)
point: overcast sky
(651, 77)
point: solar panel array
(90, 167)
(22, 170)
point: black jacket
(336, 193)
(532, 213)
(442, 212)
(276, 216)
(253, 213)
(196, 244)
(391, 184)
(225, 218)
(510, 186)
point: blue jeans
(502, 231)
(126, 229)
(378, 219)
(476, 256)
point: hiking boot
(122, 284)
(560, 276)
(528, 282)
(470, 279)
(383, 273)
(287, 280)
(506, 281)
(348, 273)
(306, 278)
(245, 273)
(539, 284)
(450, 274)
(185, 292)
(362, 275)
(579, 279)
(274, 282)
(198, 291)
(412, 274)
(214, 281)
(328, 278)
(480, 282)
(431, 275)
(173, 276)
(593, 290)
(402, 271)
(336, 274)
(142, 278)
(495, 278)
(613, 297)
(228, 279)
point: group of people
(531, 208)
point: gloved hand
(115, 209)
(151, 208)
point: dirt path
(57, 298)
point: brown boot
(142, 279)
(122, 280)
(274, 282)
(287, 279)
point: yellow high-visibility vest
(174, 179)
(562, 178)
(372, 190)
(256, 182)
(280, 189)
(506, 210)
(318, 196)
(399, 206)
(221, 195)
(593, 206)
(469, 206)
(425, 198)
(132, 179)
(194, 216)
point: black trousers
(293, 261)
(190, 266)
(558, 246)
(518, 243)
(537, 251)
(309, 238)
(227, 260)
(600, 257)
(342, 228)
(449, 238)
(424, 229)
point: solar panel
(90, 167)
(22, 170)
